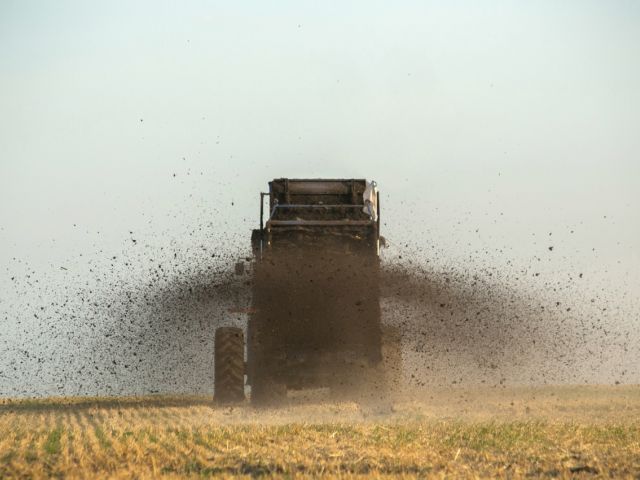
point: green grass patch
(496, 436)
(31, 455)
(102, 438)
(52, 444)
(8, 456)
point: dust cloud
(145, 325)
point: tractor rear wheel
(229, 365)
(266, 392)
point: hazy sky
(486, 124)
(135, 137)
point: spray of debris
(138, 325)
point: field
(567, 432)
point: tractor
(315, 319)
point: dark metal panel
(318, 223)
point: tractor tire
(229, 365)
(266, 392)
(348, 384)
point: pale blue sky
(513, 118)
(495, 130)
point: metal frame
(262, 195)
(313, 222)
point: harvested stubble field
(562, 432)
